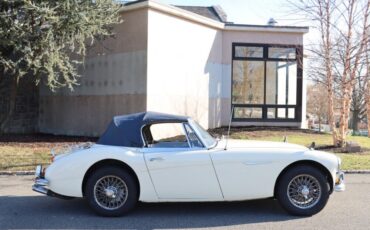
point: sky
(256, 12)
(250, 11)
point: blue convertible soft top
(125, 130)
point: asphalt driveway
(22, 208)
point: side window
(193, 138)
(168, 135)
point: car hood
(236, 144)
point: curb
(27, 173)
(356, 171)
(16, 173)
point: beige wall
(283, 38)
(184, 68)
(113, 82)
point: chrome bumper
(40, 186)
(339, 182)
(41, 183)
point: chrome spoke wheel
(110, 192)
(304, 191)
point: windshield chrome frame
(190, 122)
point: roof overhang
(181, 13)
(262, 28)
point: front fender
(327, 160)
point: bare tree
(343, 27)
(317, 103)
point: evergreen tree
(47, 39)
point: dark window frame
(265, 58)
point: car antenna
(228, 131)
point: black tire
(130, 199)
(288, 204)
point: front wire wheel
(303, 190)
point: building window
(267, 82)
(248, 82)
(249, 51)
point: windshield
(207, 139)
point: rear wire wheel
(111, 191)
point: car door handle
(156, 159)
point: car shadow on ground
(41, 212)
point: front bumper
(340, 186)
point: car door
(181, 171)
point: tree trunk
(326, 39)
(368, 111)
(344, 117)
(368, 119)
(7, 116)
(331, 116)
(355, 120)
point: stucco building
(188, 61)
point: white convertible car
(154, 157)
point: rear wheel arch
(312, 163)
(107, 163)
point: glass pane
(193, 138)
(168, 135)
(249, 51)
(281, 78)
(271, 113)
(271, 83)
(247, 112)
(248, 82)
(204, 135)
(283, 53)
(292, 83)
(281, 113)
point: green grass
(14, 158)
(355, 161)
(296, 137)
(25, 156)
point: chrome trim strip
(257, 162)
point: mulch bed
(332, 148)
(264, 128)
(251, 131)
